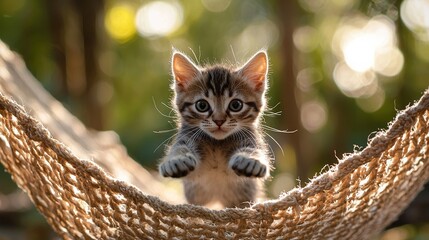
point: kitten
(219, 151)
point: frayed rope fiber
(354, 199)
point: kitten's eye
(202, 106)
(235, 105)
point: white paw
(247, 166)
(178, 166)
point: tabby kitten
(219, 151)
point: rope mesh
(354, 199)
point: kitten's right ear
(255, 70)
(184, 70)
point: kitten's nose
(219, 122)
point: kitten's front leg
(250, 163)
(178, 163)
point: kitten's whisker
(198, 136)
(159, 111)
(272, 114)
(272, 108)
(186, 135)
(199, 55)
(191, 139)
(272, 129)
(195, 55)
(165, 141)
(253, 137)
(173, 124)
(165, 131)
(233, 53)
(250, 135)
(278, 144)
(271, 149)
(168, 106)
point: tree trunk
(76, 39)
(290, 93)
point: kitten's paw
(178, 166)
(249, 167)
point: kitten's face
(218, 100)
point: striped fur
(219, 152)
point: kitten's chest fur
(213, 183)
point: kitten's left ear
(255, 70)
(184, 70)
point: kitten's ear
(184, 70)
(255, 70)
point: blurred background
(339, 71)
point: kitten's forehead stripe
(218, 80)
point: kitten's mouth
(219, 130)
(218, 133)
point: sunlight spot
(119, 22)
(283, 182)
(372, 103)
(354, 84)
(306, 38)
(307, 77)
(388, 61)
(313, 116)
(360, 44)
(415, 15)
(399, 233)
(263, 33)
(312, 5)
(159, 18)
(103, 92)
(358, 51)
(216, 5)
(365, 47)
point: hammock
(75, 188)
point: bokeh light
(159, 18)
(355, 84)
(119, 22)
(307, 77)
(313, 115)
(260, 34)
(282, 183)
(306, 39)
(216, 5)
(415, 15)
(366, 48)
(372, 103)
(388, 61)
(360, 45)
(313, 5)
(374, 52)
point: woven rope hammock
(354, 199)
